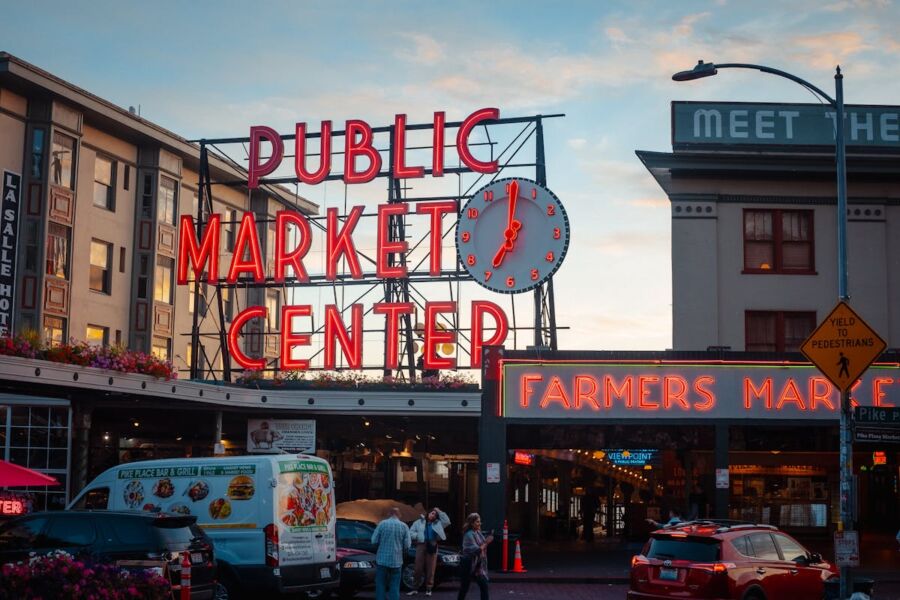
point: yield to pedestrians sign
(843, 346)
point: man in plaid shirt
(392, 537)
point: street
(574, 591)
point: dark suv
(109, 537)
(743, 561)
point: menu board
(281, 435)
(216, 494)
(306, 512)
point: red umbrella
(14, 476)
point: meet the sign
(9, 232)
(671, 391)
(800, 125)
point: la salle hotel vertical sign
(9, 231)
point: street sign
(880, 416)
(846, 548)
(843, 346)
(876, 435)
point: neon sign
(879, 457)
(523, 458)
(13, 505)
(633, 458)
(677, 390)
(343, 332)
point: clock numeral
(466, 236)
(487, 275)
(551, 210)
(510, 281)
(472, 213)
(534, 193)
(507, 188)
(535, 274)
(470, 260)
(549, 257)
(556, 234)
(488, 196)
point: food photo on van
(271, 518)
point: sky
(206, 69)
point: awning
(15, 476)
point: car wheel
(755, 595)
(408, 580)
(221, 592)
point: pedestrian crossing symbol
(843, 346)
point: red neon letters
(435, 336)
(479, 309)
(359, 142)
(383, 266)
(199, 255)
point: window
(126, 179)
(95, 499)
(166, 200)
(39, 439)
(778, 241)
(230, 219)
(160, 348)
(96, 335)
(162, 281)
(104, 191)
(143, 272)
(227, 303)
(54, 331)
(58, 237)
(790, 549)
(777, 331)
(37, 154)
(66, 532)
(101, 273)
(763, 546)
(23, 534)
(62, 159)
(147, 197)
(272, 310)
(742, 545)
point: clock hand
(513, 199)
(513, 225)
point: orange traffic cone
(517, 561)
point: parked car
(744, 561)
(357, 571)
(270, 517)
(116, 536)
(354, 533)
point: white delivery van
(271, 517)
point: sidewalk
(607, 562)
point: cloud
(576, 143)
(685, 26)
(825, 50)
(650, 202)
(424, 49)
(617, 36)
(629, 243)
(843, 5)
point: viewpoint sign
(676, 390)
(700, 125)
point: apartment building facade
(101, 193)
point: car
(356, 533)
(724, 559)
(270, 517)
(357, 571)
(109, 537)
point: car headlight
(450, 558)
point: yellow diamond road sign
(843, 346)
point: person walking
(474, 558)
(426, 532)
(392, 538)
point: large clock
(512, 235)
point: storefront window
(37, 154)
(62, 160)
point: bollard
(505, 564)
(186, 576)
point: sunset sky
(206, 69)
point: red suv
(704, 559)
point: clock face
(512, 235)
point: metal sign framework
(405, 289)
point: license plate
(196, 557)
(325, 573)
(668, 574)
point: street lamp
(705, 69)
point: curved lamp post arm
(780, 73)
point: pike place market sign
(658, 390)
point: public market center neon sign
(201, 256)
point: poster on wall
(273, 436)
